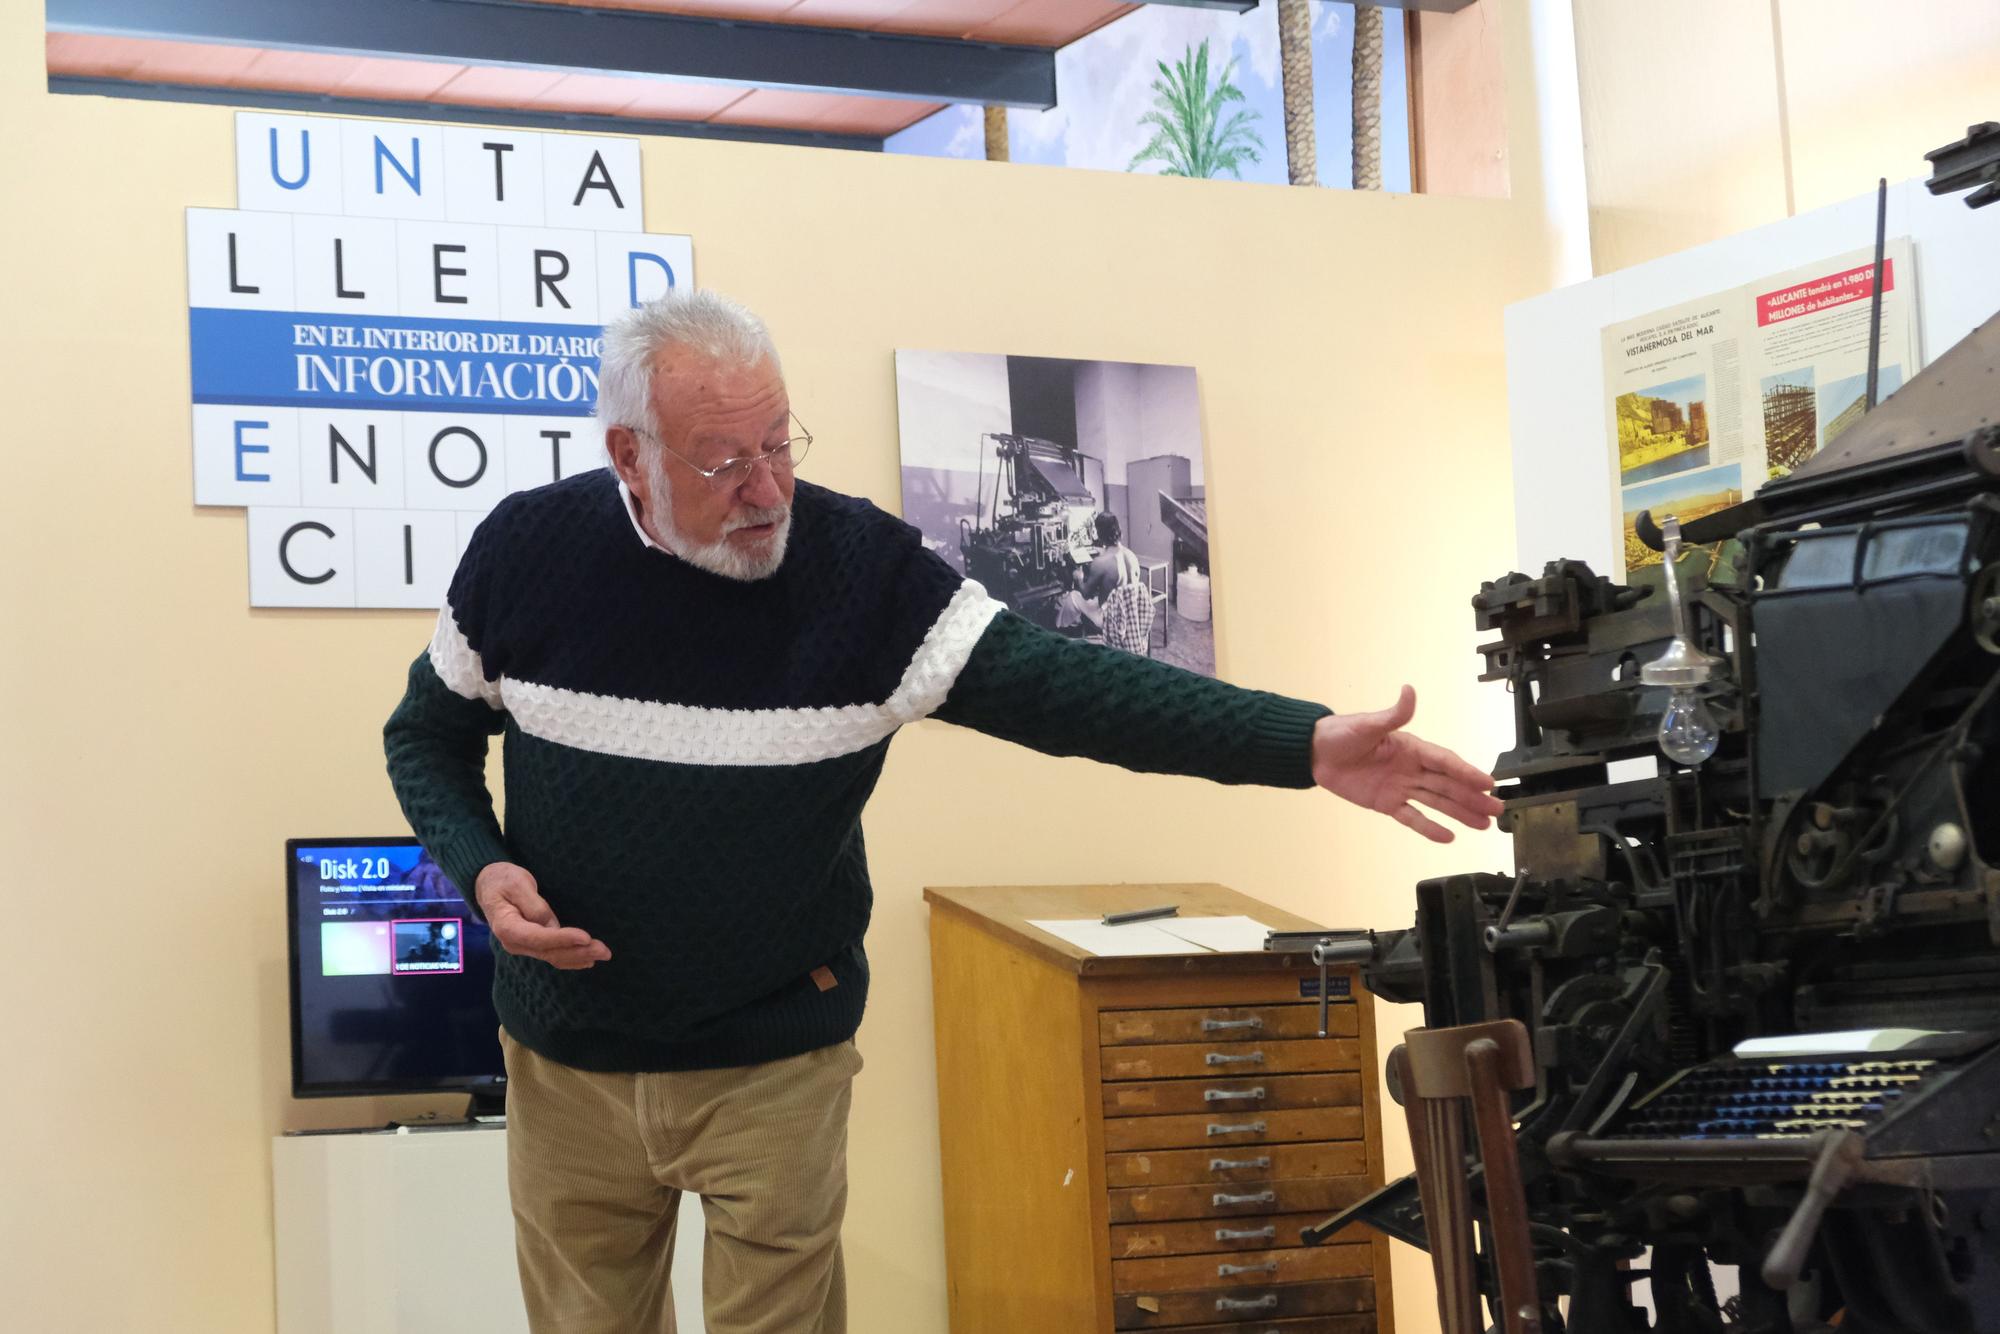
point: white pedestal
(387, 1233)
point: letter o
(477, 443)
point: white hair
(702, 320)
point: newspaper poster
(1708, 400)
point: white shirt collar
(632, 512)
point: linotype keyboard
(1763, 1099)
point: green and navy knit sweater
(687, 757)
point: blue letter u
(305, 160)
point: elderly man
(697, 663)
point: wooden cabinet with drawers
(1134, 1143)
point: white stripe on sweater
(685, 734)
(457, 663)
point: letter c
(285, 553)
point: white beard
(718, 557)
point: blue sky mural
(1104, 85)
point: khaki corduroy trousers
(596, 1164)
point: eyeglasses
(732, 473)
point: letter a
(597, 176)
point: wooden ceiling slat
(744, 11)
(93, 57)
(193, 62)
(660, 100)
(591, 94)
(298, 71)
(1029, 23)
(397, 80)
(1048, 23)
(490, 86)
(833, 113)
(951, 18)
(872, 15)
(876, 116)
(778, 106)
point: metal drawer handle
(1248, 1058)
(1247, 1234)
(1247, 1128)
(1224, 1271)
(1225, 1095)
(1261, 1197)
(1268, 1302)
(1236, 1164)
(1218, 1025)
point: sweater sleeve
(436, 746)
(436, 738)
(1062, 696)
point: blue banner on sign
(1337, 986)
(305, 359)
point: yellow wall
(160, 739)
(1703, 118)
(1870, 88)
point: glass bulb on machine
(1688, 731)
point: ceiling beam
(1245, 6)
(452, 113)
(570, 40)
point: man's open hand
(524, 923)
(1368, 759)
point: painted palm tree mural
(1313, 92)
(1295, 63)
(1191, 136)
(1295, 51)
(1367, 85)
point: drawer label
(1338, 986)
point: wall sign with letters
(397, 326)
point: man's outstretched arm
(1064, 697)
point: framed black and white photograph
(1072, 491)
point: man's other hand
(1368, 759)
(524, 923)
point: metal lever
(1261, 1197)
(1247, 1234)
(1225, 1095)
(1534, 934)
(1324, 987)
(1836, 1164)
(1682, 666)
(1329, 952)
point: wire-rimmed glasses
(732, 473)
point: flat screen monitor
(392, 975)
